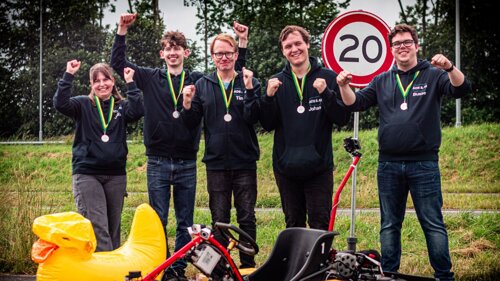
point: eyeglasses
(406, 43)
(228, 55)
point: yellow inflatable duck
(65, 250)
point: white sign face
(359, 48)
(357, 41)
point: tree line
(74, 30)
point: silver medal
(176, 114)
(228, 117)
(301, 109)
(404, 106)
(105, 138)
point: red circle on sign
(336, 26)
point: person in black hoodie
(227, 102)
(409, 98)
(100, 147)
(171, 147)
(301, 106)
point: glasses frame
(398, 44)
(228, 55)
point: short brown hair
(174, 38)
(226, 38)
(106, 70)
(292, 28)
(401, 28)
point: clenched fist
(247, 78)
(187, 96)
(128, 74)
(320, 85)
(344, 78)
(441, 61)
(272, 86)
(72, 66)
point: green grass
(36, 180)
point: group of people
(301, 103)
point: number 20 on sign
(357, 41)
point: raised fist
(72, 66)
(187, 96)
(272, 86)
(128, 73)
(247, 78)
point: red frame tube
(339, 190)
(182, 252)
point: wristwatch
(450, 69)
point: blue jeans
(221, 186)
(423, 181)
(162, 173)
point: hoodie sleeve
(268, 111)
(119, 61)
(365, 98)
(135, 108)
(447, 89)
(62, 98)
(334, 108)
(251, 109)
(242, 59)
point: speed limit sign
(357, 41)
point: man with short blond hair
(227, 102)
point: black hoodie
(228, 145)
(92, 156)
(303, 142)
(164, 135)
(413, 134)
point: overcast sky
(179, 17)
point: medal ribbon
(227, 101)
(404, 92)
(300, 88)
(101, 113)
(175, 97)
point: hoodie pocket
(402, 138)
(301, 161)
(107, 154)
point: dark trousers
(222, 185)
(309, 199)
(100, 199)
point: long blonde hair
(106, 70)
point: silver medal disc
(105, 138)
(176, 114)
(301, 109)
(404, 106)
(227, 117)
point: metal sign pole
(351, 240)
(458, 104)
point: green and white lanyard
(300, 89)
(227, 100)
(104, 124)
(404, 92)
(175, 97)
